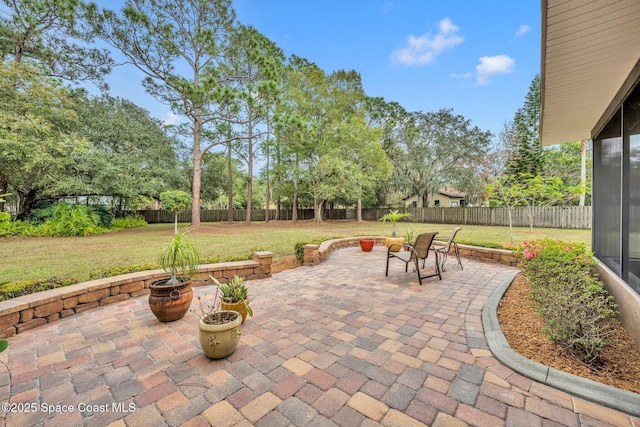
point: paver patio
(334, 344)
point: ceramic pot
(388, 241)
(240, 307)
(367, 244)
(170, 302)
(220, 340)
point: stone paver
(335, 344)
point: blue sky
(475, 56)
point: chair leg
(445, 255)
(418, 271)
(438, 266)
(455, 246)
(387, 272)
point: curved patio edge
(30, 311)
(316, 253)
(593, 391)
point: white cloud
(523, 29)
(388, 7)
(492, 65)
(170, 119)
(424, 49)
(465, 76)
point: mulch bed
(618, 366)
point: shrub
(21, 228)
(578, 312)
(17, 289)
(299, 250)
(116, 271)
(230, 258)
(104, 215)
(299, 246)
(72, 220)
(129, 222)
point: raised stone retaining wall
(315, 254)
(29, 311)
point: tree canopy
(317, 138)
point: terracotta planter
(220, 340)
(367, 244)
(240, 307)
(388, 241)
(170, 302)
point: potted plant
(367, 244)
(219, 330)
(408, 237)
(170, 299)
(393, 217)
(234, 296)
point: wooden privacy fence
(544, 216)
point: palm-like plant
(394, 216)
(178, 257)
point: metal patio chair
(444, 250)
(414, 253)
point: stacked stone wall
(30, 311)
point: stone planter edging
(315, 254)
(29, 311)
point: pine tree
(528, 156)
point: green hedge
(16, 289)
(578, 312)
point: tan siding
(589, 50)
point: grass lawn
(27, 258)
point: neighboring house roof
(590, 52)
(454, 194)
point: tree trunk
(4, 188)
(294, 213)
(175, 231)
(197, 169)
(230, 185)
(317, 214)
(26, 202)
(510, 223)
(583, 171)
(249, 177)
(359, 210)
(268, 195)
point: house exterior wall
(590, 76)
(442, 200)
(616, 192)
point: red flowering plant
(578, 312)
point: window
(631, 190)
(436, 203)
(607, 164)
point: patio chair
(444, 250)
(413, 253)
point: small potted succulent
(393, 217)
(170, 299)
(234, 295)
(219, 330)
